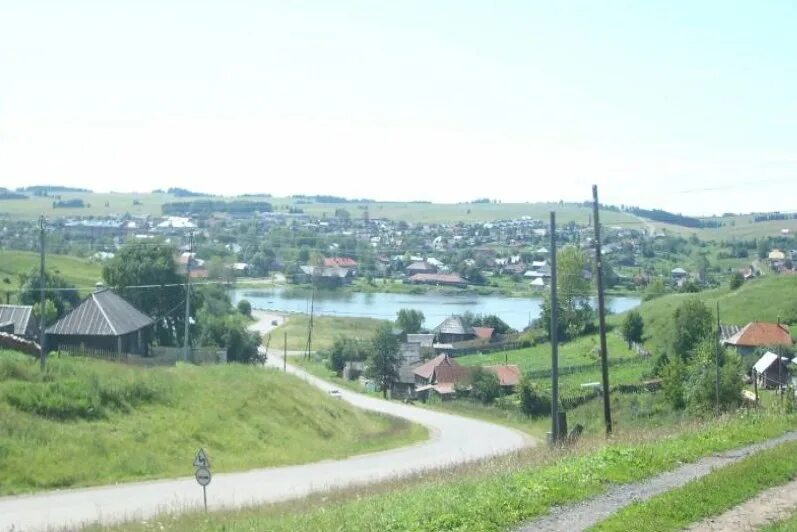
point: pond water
(515, 311)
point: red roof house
(760, 334)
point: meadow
(87, 422)
(79, 272)
(325, 330)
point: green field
(497, 495)
(87, 422)
(77, 271)
(325, 330)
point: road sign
(201, 459)
(203, 476)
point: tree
(150, 265)
(50, 312)
(63, 295)
(485, 385)
(245, 308)
(737, 280)
(384, 361)
(344, 350)
(493, 321)
(655, 289)
(701, 386)
(673, 376)
(577, 314)
(633, 327)
(410, 321)
(692, 323)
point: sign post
(202, 474)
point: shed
(102, 322)
(771, 370)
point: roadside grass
(88, 422)
(496, 494)
(325, 330)
(317, 367)
(711, 495)
(80, 272)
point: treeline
(658, 215)
(184, 193)
(774, 216)
(46, 190)
(210, 206)
(8, 194)
(69, 204)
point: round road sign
(203, 476)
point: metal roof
(103, 313)
(20, 315)
(454, 325)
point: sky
(687, 106)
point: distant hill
(46, 190)
(9, 194)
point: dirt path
(769, 505)
(589, 513)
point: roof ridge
(102, 311)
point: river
(515, 311)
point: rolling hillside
(80, 272)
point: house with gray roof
(18, 320)
(102, 322)
(453, 329)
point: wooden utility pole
(718, 348)
(554, 338)
(310, 325)
(607, 407)
(186, 336)
(42, 299)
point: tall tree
(384, 361)
(692, 323)
(145, 274)
(63, 295)
(410, 320)
(633, 327)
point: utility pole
(42, 284)
(607, 407)
(186, 336)
(554, 339)
(310, 325)
(719, 339)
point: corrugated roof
(760, 334)
(19, 315)
(103, 313)
(766, 361)
(410, 356)
(454, 325)
(451, 374)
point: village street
(453, 440)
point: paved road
(453, 440)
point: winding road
(453, 440)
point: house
(452, 330)
(538, 283)
(18, 320)
(422, 267)
(771, 370)
(441, 375)
(410, 356)
(678, 273)
(324, 277)
(758, 334)
(484, 333)
(508, 376)
(340, 262)
(776, 258)
(102, 322)
(438, 279)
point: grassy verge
(710, 495)
(87, 422)
(325, 330)
(789, 524)
(500, 493)
(319, 369)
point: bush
(485, 385)
(532, 402)
(737, 279)
(633, 327)
(245, 308)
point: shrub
(245, 308)
(485, 385)
(532, 402)
(737, 279)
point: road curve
(453, 440)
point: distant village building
(102, 322)
(452, 330)
(325, 277)
(422, 267)
(438, 279)
(410, 357)
(771, 370)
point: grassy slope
(131, 423)
(788, 524)
(499, 495)
(80, 272)
(762, 299)
(325, 330)
(710, 495)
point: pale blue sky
(446, 101)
